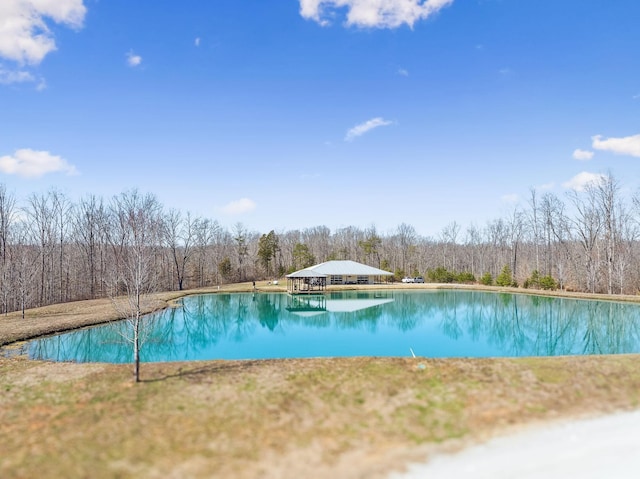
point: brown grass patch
(325, 418)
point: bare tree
(625, 257)
(41, 216)
(449, 240)
(205, 233)
(242, 249)
(612, 214)
(497, 233)
(178, 235)
(516, 231)
(586, 226)
(135, 231)
(476, 250)
(7, 217)
(406, 237)
(219, 248)
(90, 222)
(534, 226)
(318, 239)
(61, 207)
(25, 259)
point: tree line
(55, 250)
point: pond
(442, 323)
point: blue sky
(289, 114)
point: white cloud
(238, 207)
(15, 76)
(582, 155)
(24, 34)
(133, 60)
(628, 145)
(33, 164)
(196, 42)
(582, 180)
(8, 77)
(362, 128)
(373, 13)
(403, 73)
(547, 186)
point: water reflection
(433, 323)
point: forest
(55, 250)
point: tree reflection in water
(445, 322)
(267, 311)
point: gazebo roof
(339, 268)
(306, 273)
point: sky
(289, 114)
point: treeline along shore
(55, 250)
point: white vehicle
(406, 279)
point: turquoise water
(444, 323)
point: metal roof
(339, 268)
(306, 273)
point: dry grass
(321, 418)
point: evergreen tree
(302, 257)
(505, 278)
(267, 250)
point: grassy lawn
(347, 417)
(322, 418)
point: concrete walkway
(606, 447)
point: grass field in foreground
(324, 418)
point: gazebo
(306, 281)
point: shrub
(505, 278)
(486, 279)
(398, 275)
(466, 277)
(440, 275)
(533, 281)
(540, 282)
(547, 282)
